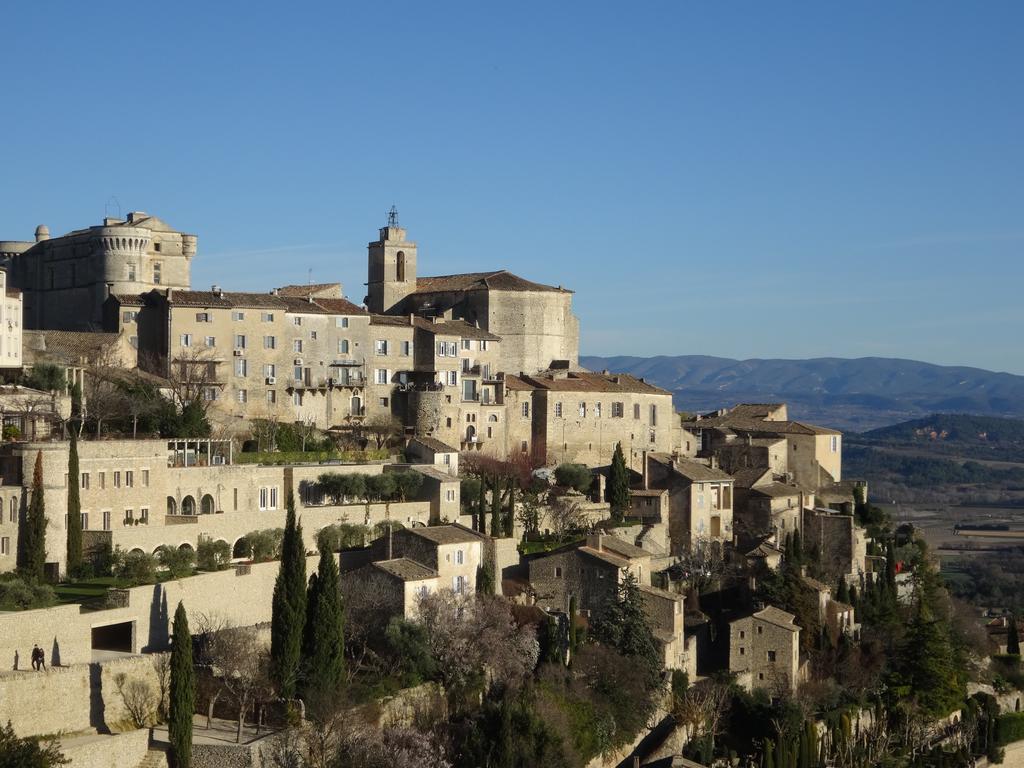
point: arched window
(185, 547)
(470, 433)
(172, 506)
(400, 267)
(188, 506)
(206, 505)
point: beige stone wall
(119, 749)
(398, 358)
(811, 460)
(10, 324)
(239, 596)
(751, 640)
(535, 328)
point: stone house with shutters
(700, 500)
(764, 651)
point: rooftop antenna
(309, 279)
(393, 217)
(107, 205)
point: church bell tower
(391, 267)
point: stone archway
(188, 506)
(206, 505)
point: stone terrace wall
(55, 701)
(117, 750)
(65, 633)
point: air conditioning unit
(297, 361)
(271, 380)
(239, 352)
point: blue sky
(736, 179)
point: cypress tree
(182, 693)
(1012, 640)
(798, 550)
(890, 567)
(853, 595)
(496, 507)
(510, 518)
(787, 549)
(481, 506)
(32, 532)
(572, 626)
(74, 510)
(618, 484)
(288, 613)
(768, 755)
(324, 638)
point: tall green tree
(324, 642)
(573, 637)
(288, 611)
(182, 704)
(496, 507)
(1012, 640)
(32, 532)
(618, 484)
(622, 624)
(74, 540)
(481, 506)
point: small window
(558, 410)
(238, 315)
(760, 630)
(297, 345)
(742, 651)
(341, 322)
(270, 342)
(312, 335)
(381, 376)
(144, 514)
(243, 396)
(271, 396)
(85, 481)
(202, 317)
(145, 478)
(239, 341)
(342, 346)
(526, 410)
(296, 321)
(597, 410)
(186, 339)
(558, 571)
(466, 343)
(636, 410)
(210, 341)
(157, 274)
(267, 317)
(117, 479)
(617, 410)
(583, 410)
(129, 479)
(459, 557)
(297, 399)
(522, 446)
(771, 656)
(380, 346)
(406, 348)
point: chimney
(389, 545)
(636, 761)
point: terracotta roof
(405, 569)
(341, 307)
(692, 470)
(434, 444)
(500, 280)
(454, 328)
(605, 555)
(130, 299)
(443, 534)
(226, 299)
(312, 289)
(758, 426)
(584, 381)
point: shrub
(341, 536)
(134, 567)
(264, 545)
(178, 562)
(1010, 728)
(576, 476)
(11, 432)
(19, 595)
(212, 555)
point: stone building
(66, 279)
(764, 651)
(840, 544)
(254, 355)
(761, 435)
(535, 321)
(700, 504)
(11, 322)
(578, 416)
(590, 570)
(147, 493)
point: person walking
(36, 650)
(42, 659)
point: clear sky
(727, 178)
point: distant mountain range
(850, 394)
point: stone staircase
(156, 757)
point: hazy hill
(851, 394)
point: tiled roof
(584, 381)
(454, 328)
(758, 426)
(302, 291)
(500, 280)
(226, 299)
(776, 490)
(816, 585)
(624, 548)
(341, 307)
(778, 617)
(443, 534)
(692, 470)
(71, 346)
(764, 549)
(749, 477)
(434, 444)
(405, 569)
(605, 555)
(130, 299)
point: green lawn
(90, 589)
